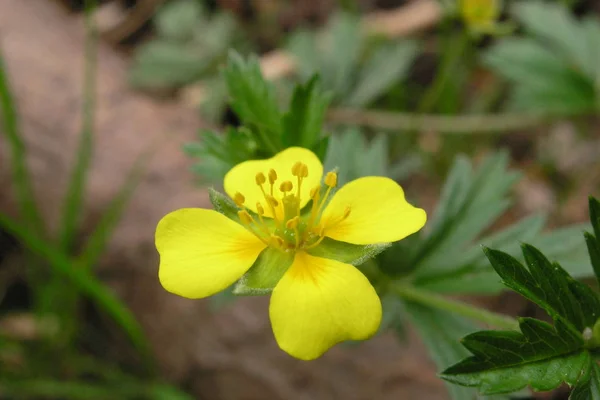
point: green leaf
(440, 332)
(343, 44)
(594, 206)
(549, 286)
(354, 157)
(354, 254)
(303, 122)
(469, 204)
(541, 375)
(253, 99)
(594, 252)
(162, 64)
(266, 272)
(555, 69)
(448, 259)
(556, 25)
(177, 20)
(593, 240)
(588, 387)
(218, 153)
(223, 204)
(389, 64)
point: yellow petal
(378, 212)
(242, 177)
(321, 302)
(203, 252)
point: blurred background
(109, 114)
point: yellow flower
(283, 208)
(481, 15)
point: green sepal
(223, 204)
(264, 274)
(348, 253)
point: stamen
(299, 170)
(321, 234)
(286, 187)
(293, 224)
(272, 176)
(239, 199)
(296, 168)
(261, 211)
(272, 179)
(331, 179)
(260, 178)
(277, 241)
(272, 201)
(245, 217)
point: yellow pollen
(239, 199)
(245, 217)
(260, 209)
(331, 179)
(272, 176)
(260, 178)
(286, 186)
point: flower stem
(434, 300)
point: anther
(260, 209)
(297, 168)
(260, 178)
(292, 223)
(239, 199)
(272, 176)
(272, 201)
(331, 179)
(304, 171)
(277, 241)
(286, 186)
(245, 218)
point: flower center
(291, 228)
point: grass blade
(96, 243)
(20, 173)
(81, 280)
(73, 204)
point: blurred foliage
(265, 128)
(189, 45)
(554, 68)
(60, 284)
(356, 69)
(541, 356)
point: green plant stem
(452, 55)
(434, 300)
(449, 124)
